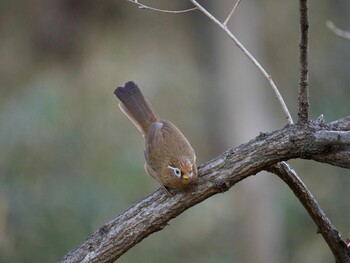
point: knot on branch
(222, 186)
(261, 136)
(104, 230)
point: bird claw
(167, 191)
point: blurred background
(70, 160)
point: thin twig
(250, 57)
(339, 32)
(142, 6)
(303, 75)
(231, 13)
(324, 225)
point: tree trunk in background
(3, 217)
(246, 99)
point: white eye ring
(176, 170)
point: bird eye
(177, 172)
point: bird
(169, 157)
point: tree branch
(250, 57)
(338, 155)
(303, 78)
(219, 175)
(342, 124)
(325, 227)
(334, 137)
(142, 6)
(339, 32)
(335, 156)
(231, 13)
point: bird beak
(187, 176)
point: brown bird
(170, 159)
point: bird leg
(166, 190)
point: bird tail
(135, 106)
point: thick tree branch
(334, 137)
(155, 211)
(325, 227)
(303, 78)
(342, 124)
(338, 156)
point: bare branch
(338, 155)
(304, 77)
(325, 227)
(231, 13)
(142, 6)
(219, 175)
(339, 32)
(250, 57)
